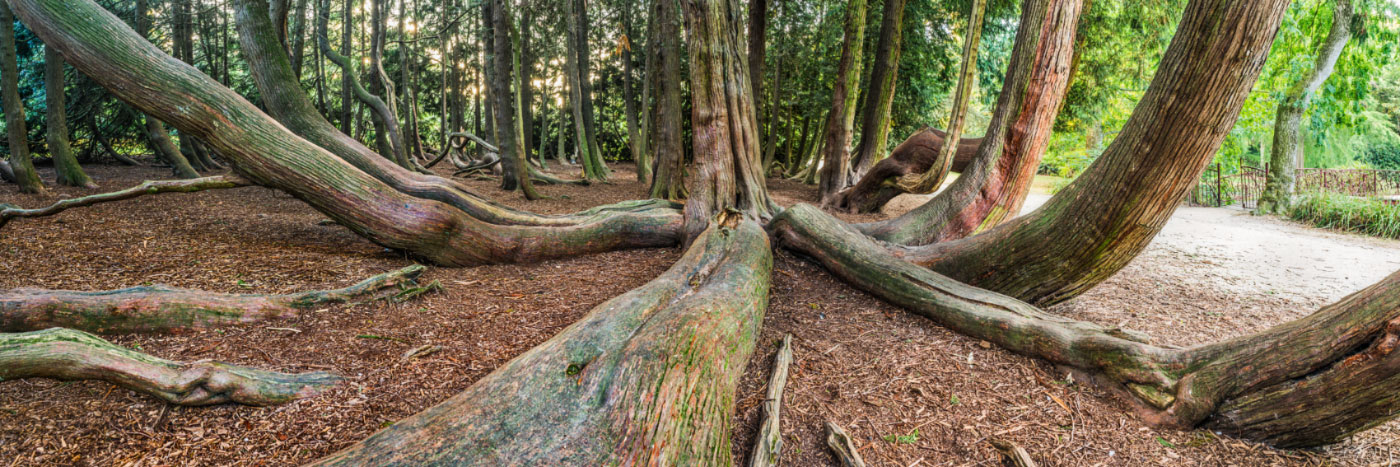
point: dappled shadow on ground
(859, 362)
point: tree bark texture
(65, 164)
(158, 309)
(68, 355)
(21, 164)
(668, 177)
(875, 124)
(840, 120)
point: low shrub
(1350, 213)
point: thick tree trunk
(915, 155)
(1304, 383)
(65, 164)
(995, 181)
(875, 124)
(647, 378)
(21, 165)
(1108, 215)
(668, 177)
(728, 165)
(159, 309)
(835, 161)
(69, 355)
(1287, 150)
(516, 174)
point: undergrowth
(1350, 213)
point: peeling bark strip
(999, 168)
(1106, 217)
(647, 378)
(68, 355)
(1304, 383)
(149, 187)
(413, 219)
(163, 309)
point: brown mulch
(908, 391)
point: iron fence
(1243, 187)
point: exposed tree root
(1308, 382)
(164, 309)
(914, 156)
(149, 187)
(769, 447)
(68, 355)
(647, 378)
(841, 445)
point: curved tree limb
(1307, 382)
(68, 355)
(163, 309)
(149, 187)
(930, 180)
(647, 378)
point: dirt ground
(908, 391)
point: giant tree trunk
(837, 137)
(65, 164)
(875, 124)
(994, 183)
(21, 166)
(1287, 150)
(1112, 211)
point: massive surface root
(647, 378)
(68, 355)
(1304, 383)
(163, 309)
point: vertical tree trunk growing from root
(21, 165)
(875, 124)
(590, 155)
(65, 165)
(930, 180)
(835, 161)
(156, 134)
(998, 174)
(668, 174)
(758, 47)
(524, 77)
(299, 37)
(1287, 150)
(728, 165)
(636, 142)
(516, 173)
(347, 115)
(388, 114)
(1111, 212)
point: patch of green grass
(1353, 214)
(911, 438)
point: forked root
(68, 355)
(165, 309)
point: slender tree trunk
(594, 167)
(931, 179)
(299, 38)
(835, 162)
(516, 173)
(156, 135)
(524, 83)
(875, 124)
(668, 179)
(65, 165)
(758, 47)
(21, 165)
(347, 75)
(1287, 151)
(388, 115)
(636, 143)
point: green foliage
(911, 438)
(1383, 156)
(1354, 214)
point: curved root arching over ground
(649, 376)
